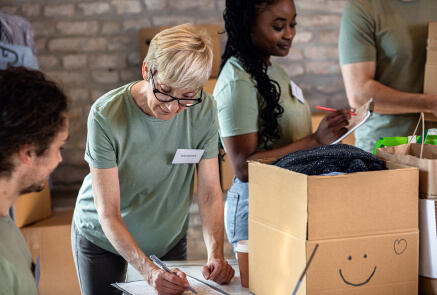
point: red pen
(331, 110)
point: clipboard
(364, 113)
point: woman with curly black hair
(259, 116)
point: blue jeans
(237, 212)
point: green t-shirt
(16, 277)
(393, 33)
(155, 195)
(238, 104)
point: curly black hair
(239, 16)
(32, 112)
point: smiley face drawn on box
(365, 279)
(400, 245)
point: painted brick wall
(91, 47)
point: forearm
(118, 235)
(391, 101)
(303, 143)
(211, 215)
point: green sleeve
(210, 142)
(238, 109)
(99, 152)
(357, 30)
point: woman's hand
(332, 126)
(167, 283)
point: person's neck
(9, 193)
(138, 93)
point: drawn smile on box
(357, 284)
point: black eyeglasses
(185, 102)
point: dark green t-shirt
(155, 195)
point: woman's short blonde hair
(182, 55)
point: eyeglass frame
(197, 100)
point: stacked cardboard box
(50, 239)
(32, 207)
(430, 84)
(366, 225)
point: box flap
(278, 198)
(363, 203)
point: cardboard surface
(51, 239)
(428, 239)
(410, 155)
(371, 212)
(430, 83)
(147, 34)
(431, 56)
(365, 265)
(32, 207)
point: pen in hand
(164, 267)
(332, 110)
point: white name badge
(297, 92)
(187, 156)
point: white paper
(142, 288)
(297, 92)
(187, 156)
(428, 239)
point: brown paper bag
(410, 154)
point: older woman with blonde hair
(135, 201)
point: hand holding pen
(165, 268)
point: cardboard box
(146, 35)
(371, 217)
(51, 239)
(431, 55)
(32, 207)
(430, 83)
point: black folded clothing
(330, 158)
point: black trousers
(97, 268)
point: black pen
(162, 264)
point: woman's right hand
(332, 126)
(167, 283)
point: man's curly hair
(32, 112)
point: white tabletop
(194, 269)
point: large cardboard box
(50, 239)
(146, 35)
(366, 225)
(431, 55)
(430, 83)
(32, 207)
